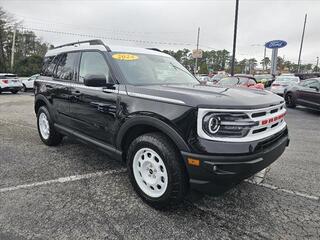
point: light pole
(301, 44)
(234, 37)
(317, 66)
(196, 65)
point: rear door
(93, 109)
(64, 75)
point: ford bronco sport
(144, 108)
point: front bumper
(220, 172)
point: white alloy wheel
(150, 172)
(44, 126)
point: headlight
(233, 125)
(211, 123)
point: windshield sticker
(125, 57)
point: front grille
(244, 125)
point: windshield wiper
(181, 70)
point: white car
(28, 83)
(9, 83)
(282, 82)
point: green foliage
(213, 60)
(28, 48)
(29, 65)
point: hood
(208, 96)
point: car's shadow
(308, 111)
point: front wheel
(48, 134)
(14, 91)
(156, 170)
(289, 99)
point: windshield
(287, 79)
(145, 69)
(229, 81)
(218, 77)
(260, 77)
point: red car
(240, 81)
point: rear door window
(49, 66)
(66, 68)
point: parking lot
(75, 192)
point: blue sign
(276, 44)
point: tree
(27, 44)
(29, 65)
(280, 63)
(252, 65)
(243, 64)
(265, 62)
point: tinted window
(66, 66)
(93, 63)
(310, 83)
(243, 80)
(48, 66)
(229, 81)
(251, 82)
(305, 83)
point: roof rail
(91, 42)
(154, 49)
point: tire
(47, 133)
(24, 88)
(14, 91)
(290, 101)
(156, 170)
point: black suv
(144, 108)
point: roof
(85, 45)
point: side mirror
(95, 81)
(314, 87)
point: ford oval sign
(276, 44)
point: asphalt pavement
(73, 191)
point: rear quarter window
(48, 66)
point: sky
(173, 24)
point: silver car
(282, 82)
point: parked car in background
(282, 82)
(203, 79)
(249, 82)
(304, 76)
(265, 79)
(216, 78)
(28, 83)
(287, 74)
(9, 83)
(306, 93)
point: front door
(94, 109)
(309, 94)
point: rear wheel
(48, 134)
(156, 170)
(290, 101)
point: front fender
(153, 122)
